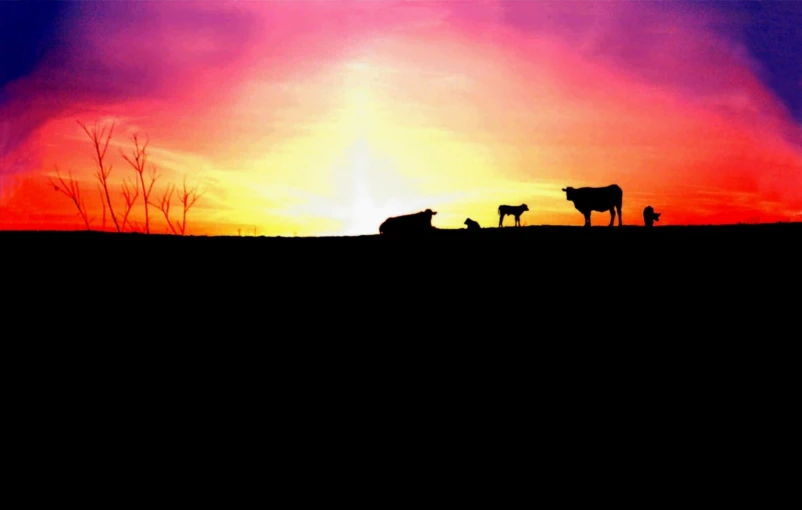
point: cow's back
(598, 199)
(406, 223)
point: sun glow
(368, 183)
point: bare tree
(71, 189)
(130, 194)
(138, 161)
(164, 206)
(188, 198)
(100, 139)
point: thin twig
(71, 189)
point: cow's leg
(500, 219)
(612, 216)
(619, 215)
(517, 221)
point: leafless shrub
(188, 198)
(70, 188)
(100, 139)
(142, 186)
(138, 161)
(164, 206)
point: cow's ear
(565, 189)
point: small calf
(472, 225)
(649, 216)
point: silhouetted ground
(534, 250)
(736, 233)
(504, 249)
(541, 308)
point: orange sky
(326, 118)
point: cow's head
(525, 207)
(569, 193)
(657, 216)
(429, 211)
(467, 221)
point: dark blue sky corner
(28, 30)
(773, 37)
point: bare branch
(153, 176)
(130, 194)
(138, 161)
(71, 189)
(188, 198)
(100, 140)
(164, 206)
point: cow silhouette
(416, 223)
(587, 200)
(512, 210)
(649, 216)
(472, 225)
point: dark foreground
(628, 242)
(530, 254)
(541, 308)
(773, 232)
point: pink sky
(326, 117)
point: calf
(586, 200)
(472, 225)
(408, 224)
(512, 210)
(649, 216)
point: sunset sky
(324, 118)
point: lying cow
(649, 216)
(409, 223)
(586, 200)
(472, 225)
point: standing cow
(512, 210)
(408, 224)
(586, 200)
(649, 216)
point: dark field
(664, 298)
(773, 232)
(533, 252)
